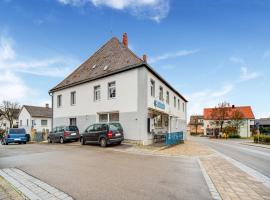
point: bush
(262, 139)
(2, 132)
(234, 136)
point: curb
(254, 145)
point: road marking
(210, 184)
(32, 188)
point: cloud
(207, 98)
(237, 60)
(180, 53)
(6, 50)
(246, 75)
(150, 9)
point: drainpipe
(51, 94)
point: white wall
(39, 127)
(23, 116)
(125, 101)
(4, 123)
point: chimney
(47, 105)
(144, 58)
(125, 40)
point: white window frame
(59, 100)
(152, 88)
(73, 98)
(111, 87)
(97, 88)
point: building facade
(35, 118)
(196, 125)
(114, 85)
(245, 129)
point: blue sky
(211, 50)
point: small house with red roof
(247, 117)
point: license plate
(17, 139)
(117, 134)
(73, 134)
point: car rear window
(118, 126)
(72, 128)
(113, 128)
(17, 131)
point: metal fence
(174, 138)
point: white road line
(210, 184)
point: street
(254, 157)
(91, 172)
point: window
(183, 105)
(168, 97)
(59, 100)
(20, 122)
(33, 123)
(174, 101)
(89, 128)
(97, 93)
(97, 127)
(114, 117)
(161, 93)
(103, 117)
(73, 98)
(178, 104)
(111, 90)
(27, 122)
(44, 122)
(152, 88)
(109, 117)
(72, 121)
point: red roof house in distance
(248, 120)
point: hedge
(262, 139)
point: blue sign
(159, 104)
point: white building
(244, 130)
(4, 122)
(34, 117)
(116, 85)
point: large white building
(116, 85)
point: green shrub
(262, 139)
(2, 132)
(234, 136)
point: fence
(174, 138)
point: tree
(220, 114)
(237, 119)
(8, 110)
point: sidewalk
(266, 146)
(7, 192)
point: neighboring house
(263, 124)
(245, 129)
(34, 117)
(116, 85)
(4, 123)
(196, 120)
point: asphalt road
(255, 157)
(90, 172)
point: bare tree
(8, 110)
(220, 114)
(237, 119)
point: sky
(210, 51)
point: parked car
(14, 135)
(64, 134)
(103, 134)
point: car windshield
(72, 128)
(118, 126)
(16, 131)
(113, 127)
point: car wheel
(61, 140)
(103, 142)
(119, 143)
(24, 142)
(82, 141)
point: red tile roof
(246, 110)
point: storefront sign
(159, 104)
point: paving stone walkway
(233, 183)
(7, 192)
(31, 187)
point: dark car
(64, 134)
(14, 135)
(103, 134)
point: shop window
(158, 121)
(97, 93)
(73, 98)
(168, 97)
(161, 93)
(111, 90)
(152, 88)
